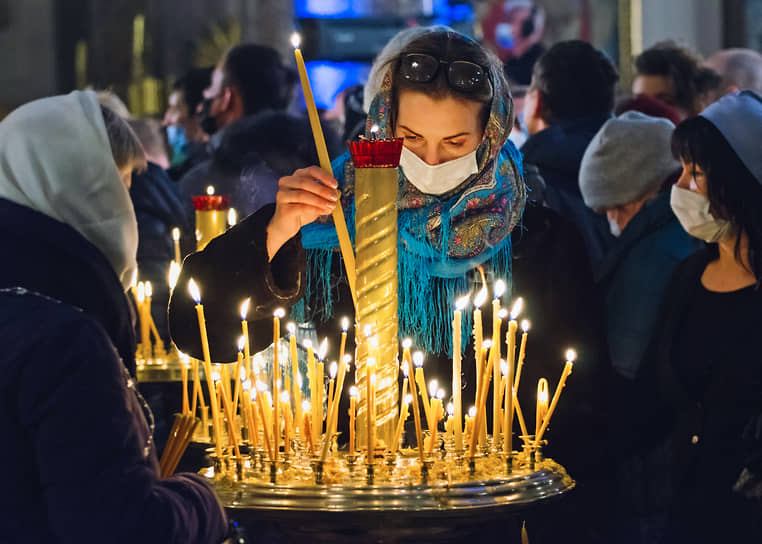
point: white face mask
(692, 210)
(438, 179)
(614, 228)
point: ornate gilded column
(376, 188)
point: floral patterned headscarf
(442, 237)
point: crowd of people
(630, 221)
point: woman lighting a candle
(461, 193)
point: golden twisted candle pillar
(376, 164)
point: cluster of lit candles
(147, 349)
(151, 347)
(270, 407)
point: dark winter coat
(158, 208)
(230, 269)
(249, 156)
(551, 272)
(557, 152)
(695, 449)
(633, 277)
(78, 448)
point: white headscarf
(55, 158)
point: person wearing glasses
(461, 192)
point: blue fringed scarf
(441, 238)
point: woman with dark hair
(707, 357)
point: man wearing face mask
(184, 133)
(251, 133)
(621, 174)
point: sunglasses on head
(463, 75)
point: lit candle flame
(333, 369)
(245, 309)
(307, 343)
(433, 386)
(210, 190)
(232, 217)
(517, 306)
(440, 394)
(285, 397)
(242, 374)
(354, 392)
(280, 313)
(296, 40)
(347, 359)
(344, 324)
(141, 292)
(247, 385)
(405, 369)
(480, 298)
(306, 407)
(323, 349)
(215, 376)
(450, 409)
(134, 278)
(408, 398)
(261, 386)
(183, 357)
(503, 367)
(418, 359)
(149, 290)
(299, 379)
(253, 393)
(525, 325)
(542, 395)
(472, 412)
(499, 288)
(193, 290)
(503, 313)
(241, 343)
(407, 343)
(571, 355)
(461, 303)
(174, 274)
(176, 234)
(291, 328)
(487, 344)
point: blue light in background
(326, 8)
(330, 78)
(366, 8)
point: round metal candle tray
(440, 511)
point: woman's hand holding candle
(302, 197)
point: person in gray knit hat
(622, 172)
(625, 165)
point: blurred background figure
(740, 69)
(254, 140)
(570, 97)
(515, 29)
(622, 174)
(676, 76)
(159, 209)
(186, 138)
